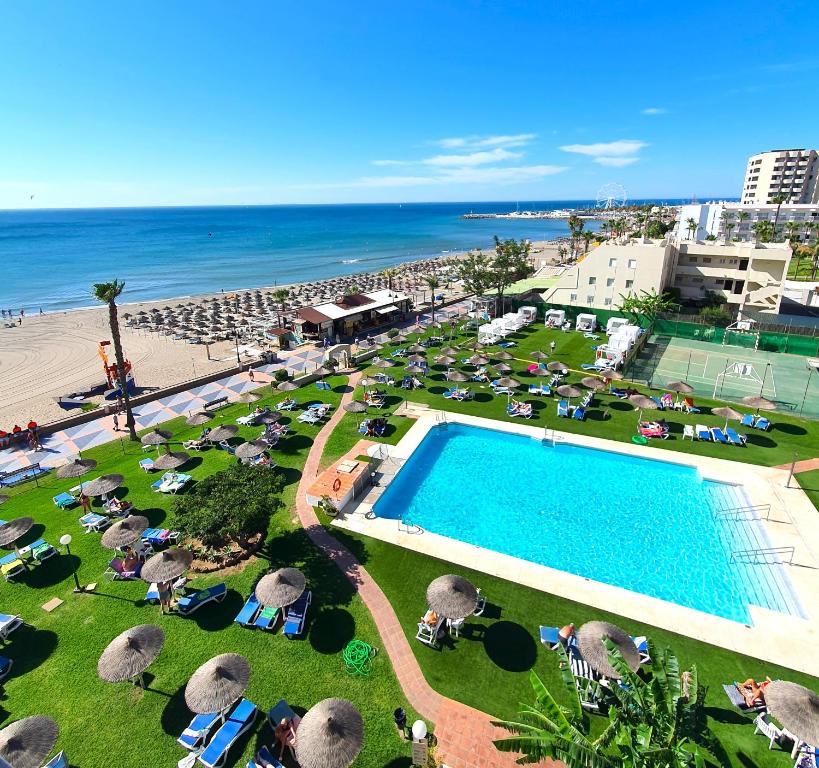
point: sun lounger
(13, 568)
(738, 700)
(279, 712)
(266, 618)
(94, 522)
(146, 464)
(763, 725)
(193, 602)
(297, 615)
(688, 431)
(641, 642)
(246, 616)
(579, 413)
(617, 392)
(5, 666)
(747, 420)
(193, 445)
(171, 482)
(41, 550)
(287, 405)
(689, 407)
(263, 759)
(196, 734)
(702, 433)
(160, 536)
(8, 623)
(308, 417)
(762, 423)
(550, 636)
(238, 722)
(734, 438)
(152, 593)
(563, 408)
(58, 761)
(718, 436)
(115, 571)
(64, 500)
(427, 633)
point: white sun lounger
(8, 624)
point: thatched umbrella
(452, 597)
(248, 398)
(103, 485)
(593, 383)
(271, 417)
(449, 350)
(129, 654)
(473, 345)
(286, 386)
(509, 383)
(14, 529)
(27, 743)
(759, 402)
(167, 565)
(251, 449)
(796, 707)
(355, 406)
(445, 359)
(325, 370)
(416, 359)
(383, 363)
(223, 432)
(199, 418)
(726, 412)
(156, 437)
(217, 683)
(76, 468)
(171, 460)
(504, 368)
(556, 365)
(418, 349)
(567, 390)
(4, 498)
(280, 588)
(414, 370)
(680, 387)
(479, 360)
(503, 355)
(590, 642)
(331, 735)
(641, 401)
(456, 376)
(538, 355)
(124, 532)
(611, 374)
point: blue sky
(109, 104)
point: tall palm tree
(575, 227)
(792, 228)
(282, 295)
(108, 293)
(389, 274)
(433, 284)
(727, 223)
(778, 199)
(728, 229)
(743, 216)
(691, 226)
(587, 238)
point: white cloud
(474, 158)
(391, 162)
(615, 162)
(654, 111)
(480, 142)
(620, 148)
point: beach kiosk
(555, 318)
(586, 322)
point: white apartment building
(746, 275)
(790, 172)
(715, 219)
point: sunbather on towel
(131, 562)
(753, 692)
(565, 634)
(285, 733)
(431, 618)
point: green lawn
(55, 657)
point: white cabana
(555, 318)
(528, 314)
(513, 320)
(488, 334)
(614, 323)
(586, 322)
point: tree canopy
(647, 304)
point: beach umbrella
(611, 374)
(641, 401)
(199, 418)
(355, 406)
(416, 359)
(271, 417)
(556, 365)
(567, 390)
(473, 345)
(27, 743)
(223, 432)
(280, 588)
(537, 370)
(156, 437)
(593, 383)
(445, 360)
(171, 460)
(324, 371)
(383, 363)
(456, 376)
(4, 499)
(286, 386)
(418, 349)
(727, 413)
(14, 529)
(452, 597)
(449, 351)
(415, 370)
(129, 654)
(248, 398)
(103, 485)
(478, 360)
(504, 368)
(504, 355)
(680, 387)
(796, 708)
(505, 381)
(167, 565)
(331, 735)
(538, 355)
(124, 532)
(76, 468)
(217, 683)
(759, 402)
(590, 642)
(251, 450)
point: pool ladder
(752, 512)
(441, 420)
(549, 436)
(760, 556)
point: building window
(632, 264)
(607, 302)
(572, 297)
(692, 259)
(706, 259)
(592, 281)
(590, 299)
(613, 263)
(629, 283)
(609, 282)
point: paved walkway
(807, 465)
(464, 734)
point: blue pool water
(648, 526)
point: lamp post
(65, 540)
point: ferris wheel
(611, 196)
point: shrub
(392, 333)
(281, 375)
(710, 237)
(716, 315)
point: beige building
(789, 172)
(746, 275)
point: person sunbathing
(130, 563)
(285, 733)
(753, 692)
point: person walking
(165, 596)
(250, 374)
(552, 346)
(115, 419)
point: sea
(49, 259)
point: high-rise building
(793, 173)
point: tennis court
(728, 372)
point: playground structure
(112, 375)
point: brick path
(464, 734)
(801, 466)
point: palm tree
(575, 227)
(728, 229)
(108, 293)
(691, 226)
(389, 274)
(282, 295)
(743, 216)
(727, 223)
(432, 283)
(562, 252)
(778, 199)
(792, 228)
(763, 231)
(587, 238)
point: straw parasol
(167, 565)
(538, 355)
(217, 683)
(199, 418)
(759, 402)
(449, 350)
(503, 368)
(223, 432)
(641, 401)
(479, 360)
(103, 485)
(445, 359)
(251, 449)
(14, 529)
(355, 406)
(280, 588)
(726, 412)
(383, 363)
(593, 383)
(76, 468)
(796, 707)
(556, 365)
(567, 390)
(418, 349)
(171, 460)
(680, 387)
(590, 642)
(286, 386)
(26, 743)
(269, 417)
(537, 370)
(3, 498)
(473, 345)
(452, 597)
(505, 381)
(504, 355)
(331, 735)
(248, 398)
(416, 359)
(124, 532)
(456, 376)
(611, 374)
(130, 653)
(156, 437)
(414, 369)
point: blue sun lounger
(563, 408)
(64, 500)
(297, 615)
(246, 616)
(747, 420)
(188, 604)
(718, 436)
(58, 761)
(198, 731)
(240, 721)
(266, 756)
(267, 618)
(579, 413)
(550, 636)
(762, 423)
(703, 433)
(734, 437)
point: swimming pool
(644, 525)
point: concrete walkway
(807, 465)
(464, 734)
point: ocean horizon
(52, 257)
